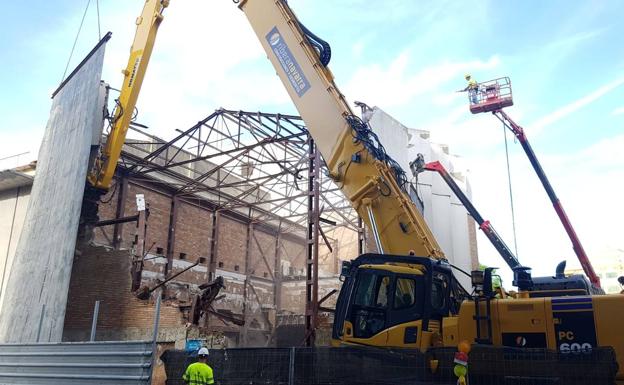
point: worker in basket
(472, 88)
(199, 373)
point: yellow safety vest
(198, 374)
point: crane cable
(97, 7)
(84, 14)
(513, 214)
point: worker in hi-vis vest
(199, 373)
(472, 88)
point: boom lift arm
(484, 225)
(101, 175)
(565, 221)
(358, 163)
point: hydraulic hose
(323, 47)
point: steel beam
(311, 312)
(122, 194)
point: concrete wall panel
(13, 205)
(43, 259)
(442, 210)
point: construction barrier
(85, 363)
(359, 366)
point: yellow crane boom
(101, 175)
(357, 162)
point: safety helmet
(467, 76)
(203, 352)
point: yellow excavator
(406, 295)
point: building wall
(442, 211)
(250, 258)
(608, 264)
(13, 204)
(102, 274)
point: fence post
(291, 367)
(155, 336)
(96, 311)
(40, 321)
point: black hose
(323, 47)
(362, 132)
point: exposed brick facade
(104, 275)
(193, 232)
(232, 244)
(252, 260)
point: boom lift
(493, 96)
(419, 166)
(559, 285)
(405, 295)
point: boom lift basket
(491, 95)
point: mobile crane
(406, 294)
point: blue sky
(564, 58)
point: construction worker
(472, 88)
(199, 373)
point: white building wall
(443, 212)
(13, 204)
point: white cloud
(206, 56)
(618, 111)
(575, 106)
(398, 83)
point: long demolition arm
(565, 221)
(484, 225)
(371, 180)
(147, 25)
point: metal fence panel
(488, 365)
(87, 363)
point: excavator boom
(101, 175)
(358, 163)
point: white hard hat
(202, 352)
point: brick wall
(157, 230)
(193, 232)
(262, 254)
(292, 256)
(104, 275)
(158, 221)
(231, 245)
(107, 210)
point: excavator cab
(389, 300)
(492, 95)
